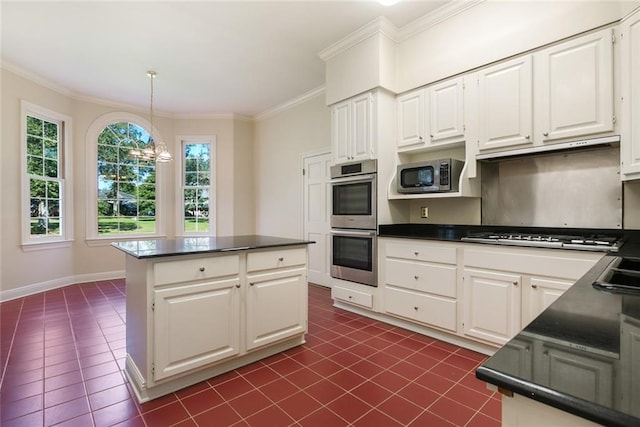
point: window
(124, 195)
(46, 170)
(126, 185)
(196, 187)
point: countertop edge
(562, 401)
(215, 250)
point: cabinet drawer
(417, 252)
(429, 309)
(431, 278)
(195, 269)
(352, 297)
(276, 259)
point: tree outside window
(126, 185)
(196, 187)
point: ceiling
(211, 57)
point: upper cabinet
(431, 117)
(446, 111)
(561, 92)
(505, 101)
(352, 129)
(574, 87)
(630, 86)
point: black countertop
(585, 327)
(196, 245)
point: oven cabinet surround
(630, 81)
(191, 317)
(474, 295)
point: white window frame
(65, 238)
(181, 141)
(93, 237)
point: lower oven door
(353, 256)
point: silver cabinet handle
(415, 277)
(420, 138)
(416, 253)
(415, 308)
(350, 296)
(201, 269)
(281, 259)
(545, 133)
(534, 286)
(515, 283)
(238, 285)
(251, 283)
(527, 137)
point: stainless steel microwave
(430, 176)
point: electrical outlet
(424, 212)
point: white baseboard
(35, 288)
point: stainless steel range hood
(563, 146)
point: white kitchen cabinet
(446, 111)
(491, 305)
(420, 283)
(505, 104)
(630, 86)
(276, 306)
(412, 119)
(195, 325)
(540, 293)
(352, 296)
(574, 88)
(352, 129)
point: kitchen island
(198, 307)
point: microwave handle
(354, 232)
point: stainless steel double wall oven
(354, 222)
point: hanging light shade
(157, 151)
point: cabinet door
(411, 118)
(630, 64)
(580, 375)
(540, 294)
(341, 131)
(574, 82)
(506, 104)
(491, 305)
(446, 110)
(362, 127)
(195, 325)
(276, 306)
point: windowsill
(107, 240)
(41, 246)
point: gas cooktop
(594, 242)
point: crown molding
(380, 25)
(291, 103)
(434, 18)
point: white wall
(280, 141)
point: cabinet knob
(251, 283)
(415, 277)
(420, 138)
(515, 283)
(238, 285)
(416, 253)
(415, 308)
(431, 135)
(534, 286)
(201, 269)
(545, 133)
(350, 296)
(281, 259)
(527, 137)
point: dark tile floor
(62, 354)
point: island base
(522, 411)
(145, 392)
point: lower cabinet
(195, 325)
(276, 306)
(540, 294)
(492, 305)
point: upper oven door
(354, 202)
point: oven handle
(354, 178)
(363, 233)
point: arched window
(126, 185)
(124, 198)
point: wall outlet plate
(424, 212)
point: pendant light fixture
(157, 151)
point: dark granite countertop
(585, 328)
(196, 245)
